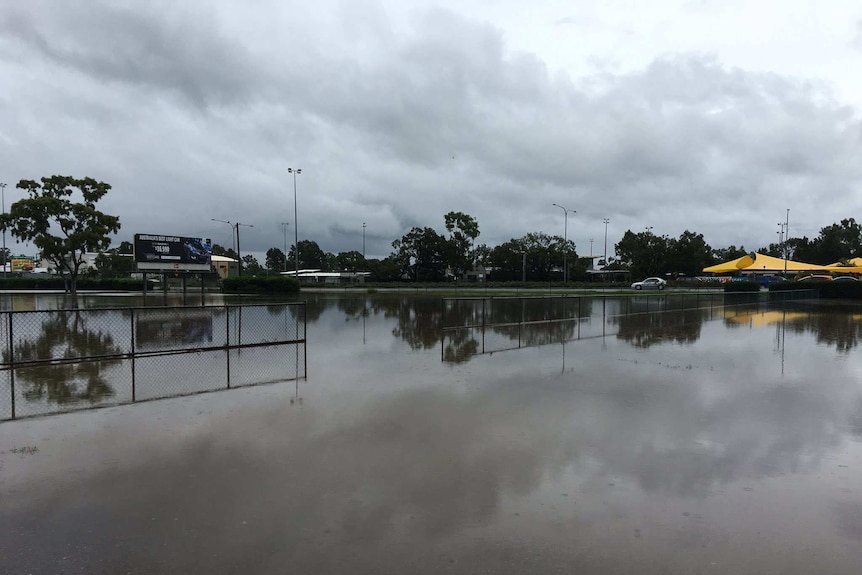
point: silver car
(650, 283)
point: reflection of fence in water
(63, 360)
(481, 325)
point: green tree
(386, 270)
(251, 265)
(228, 253)
(463, 230)
(688, 254)
(421, 252)
(114, 264)
(728, 254)
(77, 227)
(352, 261)
(275, 260)
(310, 255)
(644, 253)
(544, 254)
(506, 261)
(838, 241)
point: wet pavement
(698, 441)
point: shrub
(270, 285)
(741, 286)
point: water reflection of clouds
(365, 464)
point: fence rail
(479, 325)
(64, 360)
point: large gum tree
(59, 217)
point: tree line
(421, 254)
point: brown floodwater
(710, 440)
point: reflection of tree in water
(65, 335)
(459, 346)
(648, 329)
(420, 320)
(833, 327)
(353, 307)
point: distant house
(224, 266)
(313, 276)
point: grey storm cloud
(157, 45)
(181, 106)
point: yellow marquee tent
(764, 263)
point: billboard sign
(172, 253)
(22, 265)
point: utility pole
(3, 197)
(238, 254)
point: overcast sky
(711, 116)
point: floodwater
(716, 440)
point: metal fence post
(133, 354)
(305, 341)
(11, 363)
(227, 341)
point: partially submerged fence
(479, 325)
(64, 360)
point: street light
(295, 171)
(591, 249)
(284, 229)
(235, 226)
(648, 229)
(565, 240)
(3, 197)
(233, 237)
(363, 242)
(606, 221)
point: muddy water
(699, 441)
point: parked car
(815, 278)
(650, 283)
(845, 279)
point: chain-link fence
(478, 325)
(63, 360)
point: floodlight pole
(295, 171)
(565, 240)
(363, 243)
(786, 238)
(606, 221)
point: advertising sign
(169, 253)
(22, 265)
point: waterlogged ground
(708, 441)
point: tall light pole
(363, 243)
(295, 171)
(606, 221)
(591, 249)
(284, 229)
(235, 226)
(786, 237)
(232, 237)
(565, 240)
(3, 197)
